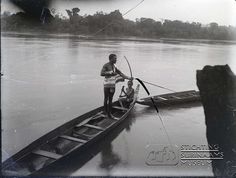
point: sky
(222, 12)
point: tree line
(113, 24)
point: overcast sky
(204, 11)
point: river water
(50, 80)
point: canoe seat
(162, 98)
(114, 118)
(47, 154)
(98, 115)
(120, 108)
(84, 136)
(94, 127)
(72, 139)
(176, 97)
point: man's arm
(123, 75)
(132, 93)
(106, 73)
(123, 92)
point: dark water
(49, 81)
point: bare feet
(105, 114)
(111, 116)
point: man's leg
(121, 101)
(111, 94)
(106, 97)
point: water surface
(49, 81)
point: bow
(153, 102)
(129, 67)
(140, 81)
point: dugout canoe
(66, 140)
(170, 99)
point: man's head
(112, 58)
(130, 83)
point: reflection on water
(108, 158)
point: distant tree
(114, 24)
(73, 14)
(75, 18)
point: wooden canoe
(66, 140)
(170, 99)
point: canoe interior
(74, 162)
(172, 98)
(70, 137)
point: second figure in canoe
(126, 95)
(111, 74)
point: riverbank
(115, 38)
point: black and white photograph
(118, 88)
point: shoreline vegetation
(107, 38)
(113, 26)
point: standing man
(110, 72)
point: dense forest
(113, 24)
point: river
(48, 81)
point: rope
(158, 86)
(167, 135)
(122, 16)
(145, 88)
(102, 29)
(158, 114)
(132, 8)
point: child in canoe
(127, 96)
